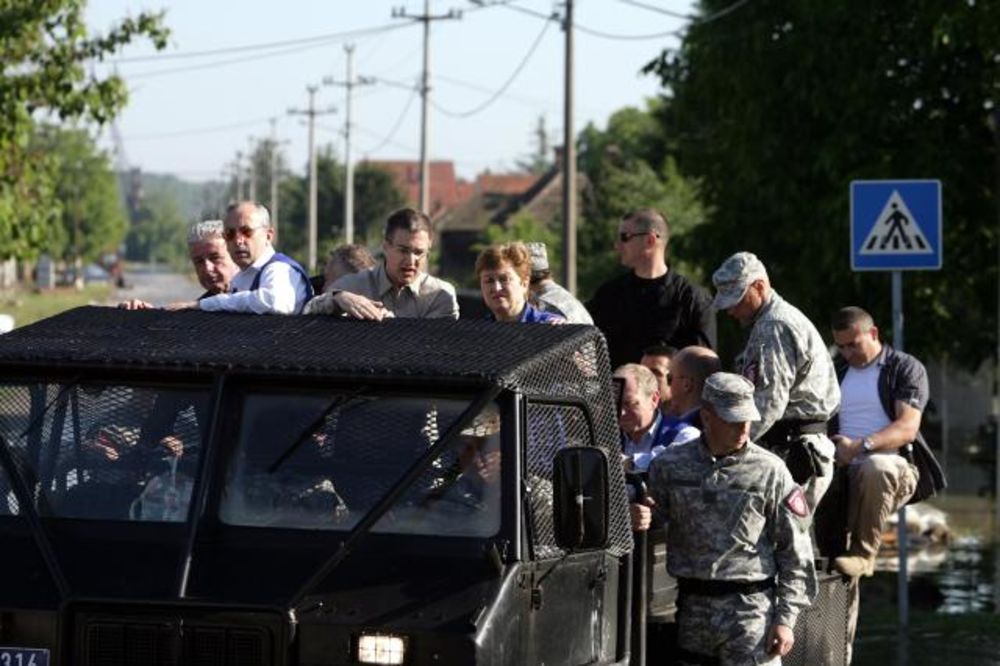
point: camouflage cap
(731, 396)
(484, 424)
(734, 276)
(539, 257)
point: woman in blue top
(504, 272)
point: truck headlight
(381, 649)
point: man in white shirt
(883, 395)
(268, 282)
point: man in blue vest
(268, 282)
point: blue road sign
(896, 225)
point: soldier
(547, 295)
(737, 535)
(785, 358)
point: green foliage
(777, 107)
(158, 232)
(44, 47)
(526, 228)
(375, 196)
(628, 168)
(91, 221)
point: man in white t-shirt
(883, 395)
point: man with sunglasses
(650, 304)
(268, 282)
(397, 286)
(786, 359)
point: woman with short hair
(504, 273)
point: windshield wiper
(311, 429)
(388, 500)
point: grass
(28, 306)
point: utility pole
(312, 113)
(569, 161)
(425, 94)
(349, 83)
(238, 168)
(252, 170)
(273, 198)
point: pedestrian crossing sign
(896, 225)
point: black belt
(719, 588)
(786, 431)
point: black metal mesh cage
(111, 452)
(557, 363)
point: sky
(190, 112)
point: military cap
(731, 397)
(484, 424)
(539, 257)
(734, 276)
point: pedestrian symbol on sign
(896, 231)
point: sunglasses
(624, 236)
(230, 233)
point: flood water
(954, 593)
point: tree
(628, 167)
(158, 231)
(777, 107)
(92, 221)
(44, 48)
(540, 159)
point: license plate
(12, 656)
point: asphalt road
(158, 285)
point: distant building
(446, 190)
(495, 199)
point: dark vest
(285, 259)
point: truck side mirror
(580, 495)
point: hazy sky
(190, 113)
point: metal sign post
(896, 225)
(903, 597)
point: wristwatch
(867, 445)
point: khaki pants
(878, 485)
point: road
(158, 285)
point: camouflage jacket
(556, 299)
(790, 366)
(736, 518)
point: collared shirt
(641, 453)
(281, 291)
(552, 297)
(426, 297)
(532, 315)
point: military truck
(192, 488)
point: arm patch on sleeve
(796, 502)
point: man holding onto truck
(737, 535)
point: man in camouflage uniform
(549, 296)
(737, 535)
(796, 386)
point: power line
(333, 36)
(659, 10)
(395, 128)
(200, 130)
(496, 95)
(222, 63)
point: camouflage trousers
(731, 629)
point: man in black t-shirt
(650, 304)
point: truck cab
(195, 488)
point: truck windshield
(103, 452)
(322, 461)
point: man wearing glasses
(268, 282)
(650, 304)
(399, 285)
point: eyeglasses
(417, 253)
(230, 233)
(624, 236)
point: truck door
(572, 612)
